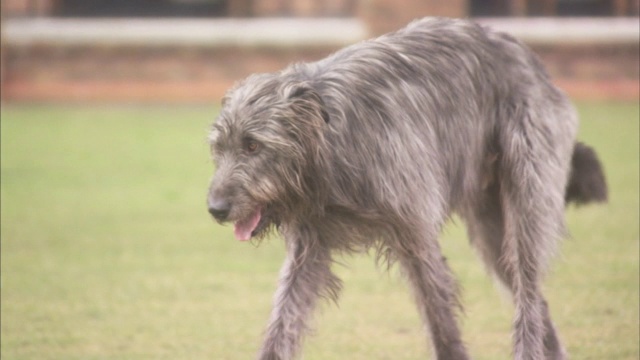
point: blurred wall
(47, 68)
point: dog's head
(267, 144)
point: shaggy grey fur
(378, 144)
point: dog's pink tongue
(244, 228)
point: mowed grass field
(108, 252)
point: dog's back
(436, 96)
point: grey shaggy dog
(378, 144)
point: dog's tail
(586, 180)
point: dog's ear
(305, 101)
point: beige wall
(27, 7)
(383, 16)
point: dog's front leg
(305, 276)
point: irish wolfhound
(378, 144)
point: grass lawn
(108, 252)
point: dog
(378, 144)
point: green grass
(108, 253)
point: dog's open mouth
(244, 229)
(251, 226)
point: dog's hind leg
(535, 151)
(434, 289)
(485, 225)
(305, 276)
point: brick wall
(116, 73)
(124, 73)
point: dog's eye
(251, 146)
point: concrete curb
(569, 31)
(184, 32)
(289, 32)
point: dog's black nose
(219, 209)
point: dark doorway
(140, 8)
(491, 8)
